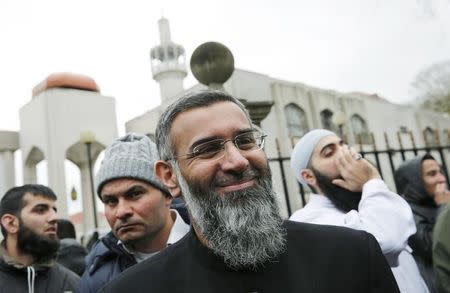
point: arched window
(296, 121)
(360, 129)
(326, 117)
(428, 135)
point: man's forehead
(120, 185)
(208, 121)
(327, 140)
(430, 164)
(31, 200)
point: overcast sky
(373, 46)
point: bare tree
(433, 87)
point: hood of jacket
(409, 182)
(7, 263)
(105, 249)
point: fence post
(413, 142)
(441, 154)
(389, 152)
(283, 178)
(361, 149)
(402, 151)
(427, 144)
(375, 151)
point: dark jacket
(72, 254)
(104, 262)
(45, 278)
(409, 183)
(318, 258)
(179, 205)
(441, 249)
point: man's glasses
(215, 149)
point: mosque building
(57, 124)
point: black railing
(375, 156)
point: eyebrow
(43, 205)
(340, 142)
(133, 189)
(439, 169)
(129, 191)
(210, 138)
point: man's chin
(343, 199)
(131, 238)
(51, 236)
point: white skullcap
(302, 152)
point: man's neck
(15, 254)
(159, 241)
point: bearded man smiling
(212, 156)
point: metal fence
(386, 160)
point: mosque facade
(360, 118)
(59, 123)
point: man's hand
(441, 194)
(354, 170)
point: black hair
(13, 203)
(66, 229)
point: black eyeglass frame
(258, 135)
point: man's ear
(10, 223)
(168, 177)
(308, 176)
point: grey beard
(243, 227)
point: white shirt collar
(179, 228)
(319, 199)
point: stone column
(88, 202)
(7, 174)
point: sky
(372, 46)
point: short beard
(243, 227)
(42, 248)
(343, 199)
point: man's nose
(123, 210)
(234, 159)
(53, 216)
(441, 177)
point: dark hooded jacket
(104, 262)
(409, 183)
(39, 278)
(72, 254)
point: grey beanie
(131, 156)
(302, 152)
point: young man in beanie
(348, 191)
(137, 207)
(213, 156)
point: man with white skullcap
(348, 191)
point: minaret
(168, 63)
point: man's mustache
(232, 178)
